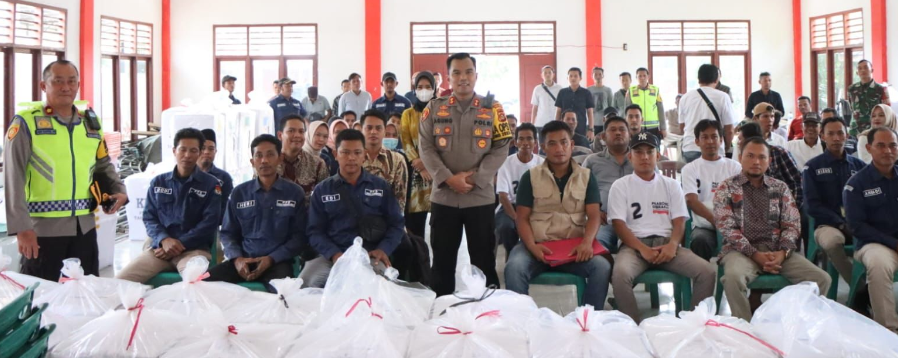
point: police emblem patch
(447, 130)
(443, 142)
(425, 114)
(481, 143)
(478, 131)
(13, 131)
(43, 123)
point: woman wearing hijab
(882, 116)
(316, 141)
(327, 153)
(418, 204)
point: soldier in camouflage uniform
(863, 96)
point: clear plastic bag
(291, 305)
(10, 288)
(700, 333)
(78, 299)
(248, 340)
(586, 333)
(352, 277)
(804, 324)
(361, 331)
(134, 331)
(464, 332)
(471, 290)
(194, 297)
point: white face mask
(391, 143)
(424, 95)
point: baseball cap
(644, 138)
(286, 80)
(762, 108)
(609, 111)
(388, 75)
(227, 78)
(811, 117)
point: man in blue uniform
(284, 104)
(181, 214)
(823, 179)
(207, 157)
(391, 102)
(338, 205)
(871, 201)
(265, 223)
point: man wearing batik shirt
(382, 162)
(297, 165)
(865, 95)
(760, 225)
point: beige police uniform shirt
(455, 137)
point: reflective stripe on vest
(647, 99)
(60, 170)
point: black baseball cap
(227, 78)
(609, 111)
(388, 75)
(811, 117)
(644, 138)
(286, 80)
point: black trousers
(227, 272)
(446, 226)
(656, 131)
(53, 250)
(416, 223)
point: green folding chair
(38, 347)
(813, 251)
(682, 288)
(17, 310)
(554, 278)
(21, 334)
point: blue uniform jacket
(332, 228)
(227, 185)
(265, 223)
(871, 201)
(823, 179)
(397, 105)
(285, 106)
(187, 209)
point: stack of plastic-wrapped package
(587, 333)
(194, 297)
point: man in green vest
(54, 153)
(648, 97)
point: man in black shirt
(765, 94)
(579, 100)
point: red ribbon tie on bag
(714, 323)
(19, 285)
(366, 301)
(204, 276)
(139, 308)
(453, 330)
(583, 325)
(232, 330)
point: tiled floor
(561, 299)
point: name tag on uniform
(199, 193)
(822, 171)
(286, 203)
(162, 190)
(374, 192)
(246, 204)
(282, 105)
(380, 105)
(330, 198)
(93, 135)
(872, 192)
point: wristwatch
(591, 130)
(788, 253)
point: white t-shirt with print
(701, 177)
(510, 174)
(545, 112)
(647, 207)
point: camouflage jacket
(863, 97)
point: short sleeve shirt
(579, 101)
(509, 176)
(647, 207)
(701, 177)
(545, 110)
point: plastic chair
(814, 250)
(859, 275)
(39, 346)
(668, 168)
(17, 310)
(21, 334)
(765, 281)
(682, 287)
(562, 279)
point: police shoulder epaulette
(488, 100)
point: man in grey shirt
(602, 95)
(619, 102)
(52, 145)
(608, 166)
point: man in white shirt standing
(543, 99)
(700, 180)
(694, 108)
(648, 212)
(355, 100)
(810, 146)
(507, 184)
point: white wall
(814, 8)
(570, 27)
(147, 11)
(771, 35)
(73, 28)
(341, 38)
(892, 39)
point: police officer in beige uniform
(464, 140)
(54, 155)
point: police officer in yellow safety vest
(648, 97)
(53, 155)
